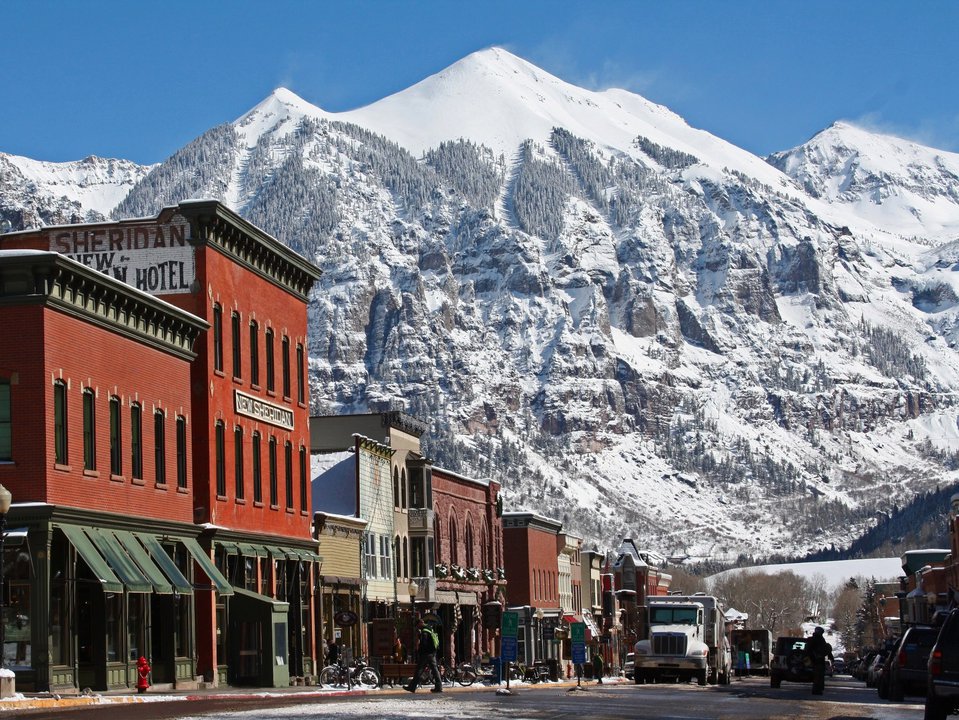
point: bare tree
(779, 602)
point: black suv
(907, 665)
(790, 662)
(942, 689)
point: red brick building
(468, 532)
(223, 361)
(531, 558)
(88, 470)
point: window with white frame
(371, 555)
(386, 567)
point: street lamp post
(5, 499)
(413, 588)
(539, 630)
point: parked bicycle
(356, 673)
(464, 674)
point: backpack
(434, 640)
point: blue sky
(139, 79)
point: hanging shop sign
(346, 618)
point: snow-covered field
(835, 572)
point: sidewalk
(30, 701)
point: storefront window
(220, 630)
(114, 626)
(17, 652)
(279, 567)
(183, 606)
(135, 626)
(59, 630)
(249, 574)
(266, 579)
(305, 629)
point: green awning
(203, 560)
(312, 556)
(278, 605)
(149, 568)
(98, 566)
(169, 568)
(120, 561)
(250, 550)
(230, 548)
(285, 553)
(303, 554)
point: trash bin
(497, 666)
(553, 665)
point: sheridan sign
(157, 259)
(262, 410)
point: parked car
(907, 669)
(942, 682)
(839, 666)
(629, 665)
(875, 668)
(790, 662)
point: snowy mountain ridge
(637, 327)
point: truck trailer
(752, 650)
(685, 640)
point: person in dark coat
(428, 642)
(598, 667)
(332, 653)
(818, 650)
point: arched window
(437, 535)
(159, 446)
(89, 430)
(238, 480)
(220, 461)
(60, 422)
(136, 440)
(116, 448)
(469, 543)
(406, 557)
(454, 540)
(403, 496)
(396, 488)
(484, 552)
(217, 337)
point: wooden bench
(396, 672)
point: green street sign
(577, 632)
(510, 623)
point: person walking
(428, 642)
(598, 667)
(332, 653)
(818, 650)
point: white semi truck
(685, 639)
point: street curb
(65, 701)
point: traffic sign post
(577, 637)
(508, 644)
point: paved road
(745, 699)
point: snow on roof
(334, 483)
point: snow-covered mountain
(34, 193)
(635, 326)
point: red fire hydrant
(143, 675)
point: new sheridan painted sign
(157, 259)
(259, 409)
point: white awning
(451, 597)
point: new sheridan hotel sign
(262, 410)
(157, 259)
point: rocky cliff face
(641, 332)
